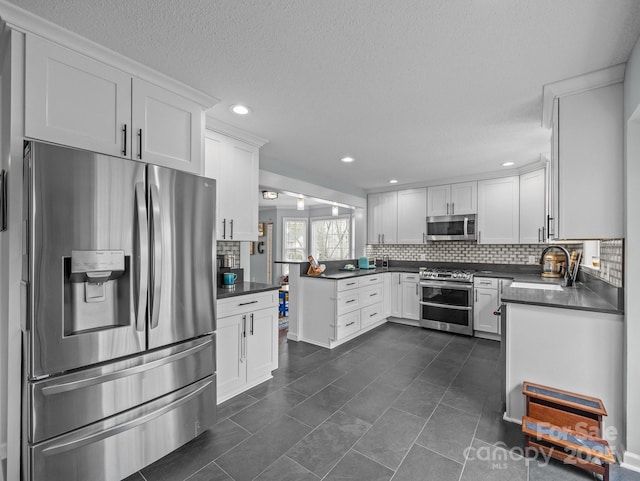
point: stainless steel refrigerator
(119, 293)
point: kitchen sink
(536, 285)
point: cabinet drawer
(485, 282)
(371, 295)
(347, 324)
(371, 280)
(347, 302)
(346, 284)
(410, 277)
(249, 302)
(371, 314)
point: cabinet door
(396, 294)
(167, 128)
(591, 167)
(438, 200)
(410, 300)
(486, 301)
(73, 100)
(464, 198)
(237, 187)
(412, 216)
(261, 330)
(498, 211)
(230, 354)
(382, 218)
(532, 207)
(387, 293)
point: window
(331, 237)
(294, 244)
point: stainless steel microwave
(451, 227)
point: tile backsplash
(611, 262)
(229, 247)
(459, 251)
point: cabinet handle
(350, 301)
(373, 295)
(447, 208)
(231, 228)
(379, 239)
(539, 236)
(416, 289)
(383, 238)
(544, 235)
(453, 210)
(476, 293)
(374, 314)
(351, 283)
(350, 323)
(423, 238)
(479, 237)
(124, 134)
(244, 337)
(224, 228)
(140, 143)
(399, 279)
(252, 324)
(247, 303)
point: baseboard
(631, 461)
(511, 420)
(292, 336)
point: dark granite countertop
(581, 296)
(244, 288)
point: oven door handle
(453, 285)
(446, 306)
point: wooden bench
(566, 426)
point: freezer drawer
(114, 448)
(64, 403)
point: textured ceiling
(417, 90)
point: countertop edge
(244, 289)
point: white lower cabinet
(411, 296)
(396, 294)
(246, 342)
(486, 301)
(335, 311)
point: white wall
(632, 257)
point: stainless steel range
(446, 301)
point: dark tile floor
(399, 403)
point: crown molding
(26, 22)
(575, 85)
(233, 131)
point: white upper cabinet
(382, 218)
(452, 199)
(235, 166)
(167, 128)
(412, 216)
(72, 99)
(498, 211)
(589, 132)
(532, 207)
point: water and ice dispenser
(97, 290)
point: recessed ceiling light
(507, 164)
(347, 159)
(240, 109)
(393, 181)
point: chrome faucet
(568, 280)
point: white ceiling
(417, 90)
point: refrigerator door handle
(156, 239)
(143, 249)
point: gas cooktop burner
(439, 273)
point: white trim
(292, 336)
(24, 21)
(233, 131)
(574, 85)
(273, 181)
(631, 461)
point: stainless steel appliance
(118, 279)
(446, 301)
(451, 227)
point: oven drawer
(347, 284)
(371, 296)
(347, 301)
(371, 314)
(347, 324)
